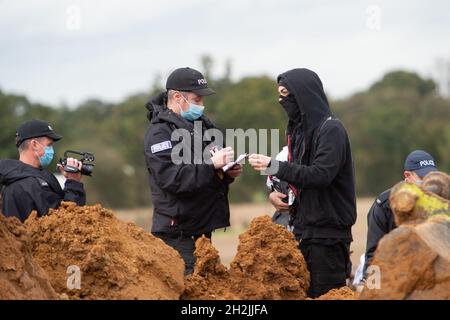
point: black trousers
(328, 262)
(185, 247)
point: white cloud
(122, 45)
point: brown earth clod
(268, 265)
(343, 293)
(20, 276)
(115, 259)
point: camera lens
(87, 169)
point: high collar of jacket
(14, 170)
(308, 91)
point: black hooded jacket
(188, 198)
(320, 166)
(25, 188)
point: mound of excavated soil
(343, 293)
(20, 276)
(414, 262)
(210, 279)
(268, 265)
(117, 260)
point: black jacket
(25, 188)
(320, 168)
(380, 221)
(188, 198)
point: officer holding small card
(190, 199)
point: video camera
(86, 158)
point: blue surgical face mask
(194, 112)
(47, 158)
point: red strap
(290, 160)
(289, 148)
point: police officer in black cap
(26, 184)
(380, 218)
(190, 199)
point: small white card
(230, 165)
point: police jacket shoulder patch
(384, 197)
(42, 182)
(165, 145)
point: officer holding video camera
(27, 185)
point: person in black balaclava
(320, 172)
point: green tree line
(397, 114)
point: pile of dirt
(343, 293)
(20, 276)
(116, 260)
(268, 265)
(210, 279)
(414, 259)
(438, 183)
(414, 262)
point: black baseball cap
(188, 79)
(34, 129)
(420, 162)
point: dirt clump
(438, 183)
(211, 279)
(268, 265)
(343, 293)
(20, 277)
(414, 262)
(116, 260)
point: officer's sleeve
(74, 192)
(328, 160)
(175, 178)
(378, 226)
(227, 179)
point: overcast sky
(116, 48)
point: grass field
(241, 215)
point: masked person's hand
(235, 171)
(259, 162)
(73, 163)
(276, 198)
(222, 157)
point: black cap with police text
(188, 79)
(34, 129)
(420, 162)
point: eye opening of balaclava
(290, 104)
